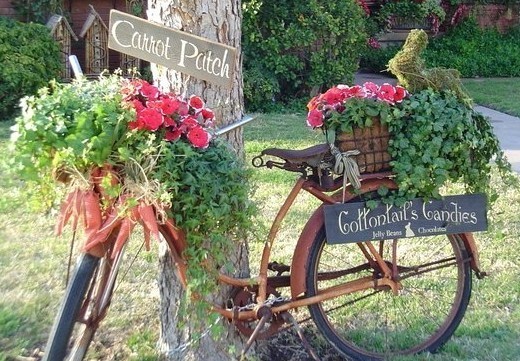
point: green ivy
(438, 139)
(291, 47)
(29, 58)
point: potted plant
(124, 154)
(433, 137)
(410, 14)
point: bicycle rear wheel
(84, 305)
(375, 324)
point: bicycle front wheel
(376, 324)
(84, 305)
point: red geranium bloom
(207, 114)
(138, 106)
(196, 102)
(172, 134)
(189, 123)
(315, 118)
(150, 119)
(372, 88)
(149, 91)
(183, 109)
(333, 96)
(386, 93)
(357, 91)
(198, 137)
(400, 94)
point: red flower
(198, 137)
(136, 103)
(386, 93)
(150, 119)
(372, 88)
(357, 91)
(189, 123)
(167, 105)
(172, 134)
(315, 118)
(183, 109)
(196, 102)
(148, 91)
(207, 114)
(333, 96)
(400, 94)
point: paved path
(506, 127)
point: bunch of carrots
(107, 219)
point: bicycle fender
(471, 248)
(312, 227)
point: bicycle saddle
(311, 156)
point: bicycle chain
(249, 307)
(269, 302)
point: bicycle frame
(298, 271)
(296, 280)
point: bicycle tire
(374, 325)
(84, 305)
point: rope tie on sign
(346, 166)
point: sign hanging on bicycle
(354, 222)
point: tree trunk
(218, 21)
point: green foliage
(376, 59)
(29, 58)
(392, 12)
(438, 139)
(291, 47)
(476, 52)
(74, 126)
(36, 10)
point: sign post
(353, 222)
(174, 49)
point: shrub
(291, 47)
(476, 52)
(29, 58)
(376, 59)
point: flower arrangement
(124, 153)
(343, 107)
(433, 136)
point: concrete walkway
(506, 127)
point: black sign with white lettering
(354, 222)
(174, 49)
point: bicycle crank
(246, 299)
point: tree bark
(220, 21)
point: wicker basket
(372, 143)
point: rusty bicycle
(371, 299)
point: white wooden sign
(174, 49)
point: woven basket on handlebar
(372, 143)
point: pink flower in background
(373, 43)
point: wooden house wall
(6, 9)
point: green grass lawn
(33, 266)
(501, 94)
